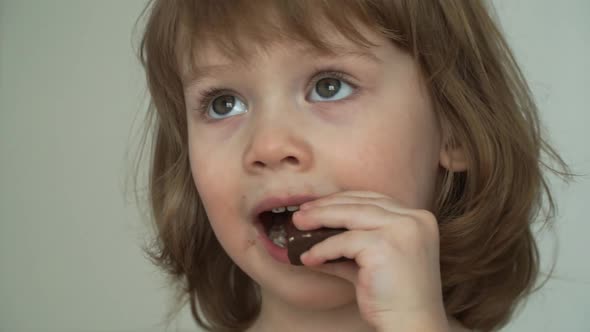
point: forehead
(237, 31)
(211, 55)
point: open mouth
(274, 222)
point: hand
(396, 251)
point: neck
(276, 315)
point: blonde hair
(489, 258)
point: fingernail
(304, 255)
(298, 213)
(304, 206)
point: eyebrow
(201, 73)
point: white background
(72, 97)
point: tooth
(278, 210)
(280, 241)
(292, 208)
(277, 235)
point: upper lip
(272, 202)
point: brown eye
(327, 87)
(223, 104)
(331, 88)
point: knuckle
(426, 216)
(424, 219)
(411, 230)
(429, 222)
(413, 233)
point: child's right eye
(218, 104)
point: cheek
(400, 161)
(378, 166)
(214, 182)
(217, 186)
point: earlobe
(453, 158)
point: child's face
(288, 125)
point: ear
(453, 158)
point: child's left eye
(330, 89)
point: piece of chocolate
(299, 241)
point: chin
(321, 292)
(296, 286)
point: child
(407, 123)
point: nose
(277, 143)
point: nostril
(291, 160)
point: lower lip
(276, 252)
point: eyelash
(208, 95)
